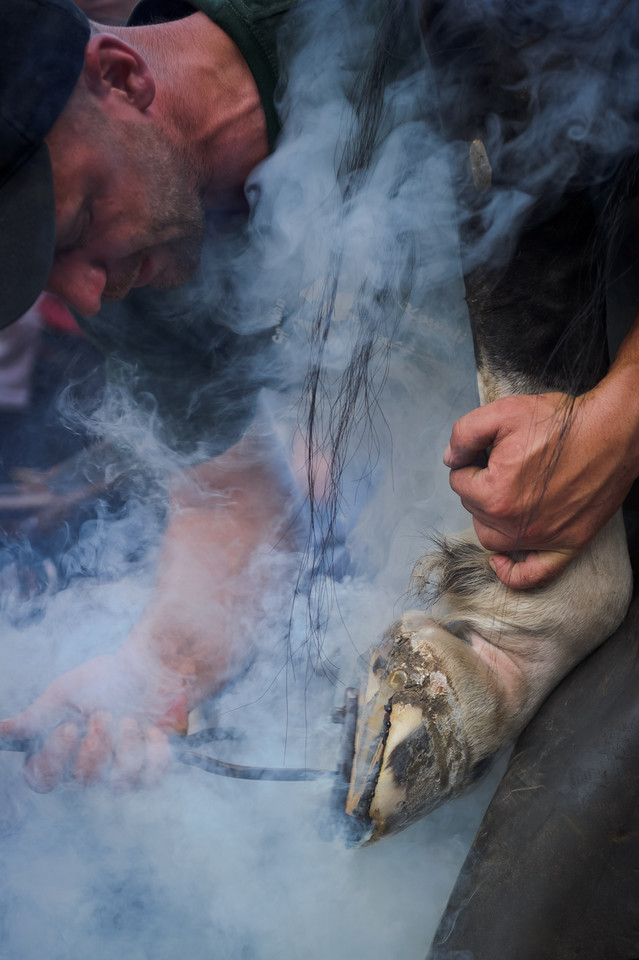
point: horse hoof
(427, 727)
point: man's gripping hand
(104, 721)
(542, 474)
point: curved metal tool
(183, 751)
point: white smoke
(551, 89)
(204, 867)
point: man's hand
(556, 470)
(106, 721)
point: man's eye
(83, 239)
(81, 236)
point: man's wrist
(617, 408)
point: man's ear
(111, 65)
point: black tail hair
(336, 418)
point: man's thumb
(536, 569)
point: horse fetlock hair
(547, 629)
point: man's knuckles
(95, 752)
(45, 768)
(123, 753)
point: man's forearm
(229, 517)
(109, 718)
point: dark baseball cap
(42, 44)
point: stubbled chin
(145, 276)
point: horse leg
(450, 687)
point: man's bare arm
(110, 717)
(553, 477)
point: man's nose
(80, 284)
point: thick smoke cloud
(549, 89)
(202, 867)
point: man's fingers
(29, 724)
(129, 759)
(143, 756)
(470, 438)
(45, 769)
(96, 750)
(475, 487)
(158, 757)
(125, 754)
(493, 540)
(13, 729)
(536, 569)
(464, 481)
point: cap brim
(27, 235)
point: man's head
(128, 211)
(101, 199)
